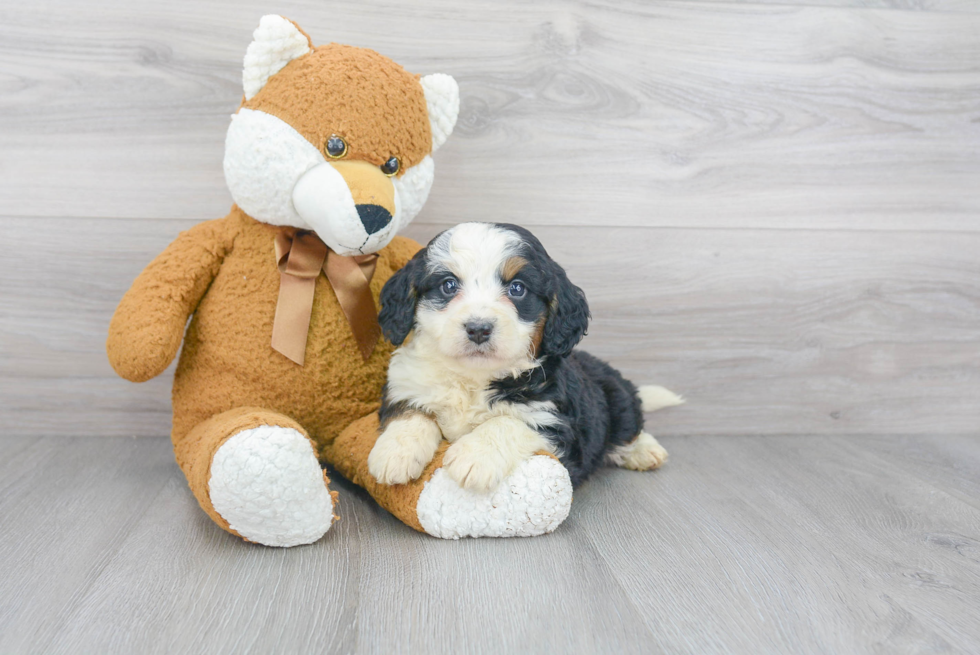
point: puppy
(486, 323)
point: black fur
(598, 409)
(389, 410)
(399, 297)
(567, 317)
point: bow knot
(300, 256)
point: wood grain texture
(765, 331)
(631, 113)
(792, 545)
(772, 208)
(66, 506)
(953, 6)
(739, 544)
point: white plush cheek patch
(264, 158)
(412, 190)
(324, 201)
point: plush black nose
(373, 217)
(478, 331)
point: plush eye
(449, 286)
(391, 166)
(516, 289)
(336, 147)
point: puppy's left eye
(449, 286)
(516, 289)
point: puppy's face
(486, 295)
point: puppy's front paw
(402, 451)
(477, 466)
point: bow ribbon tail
(350, 278)
(300, 256)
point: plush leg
(256, 474)
(531, 501)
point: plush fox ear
(442, 100)
(275, 42)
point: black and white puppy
(486, 322)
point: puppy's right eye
(449, 286)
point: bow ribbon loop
(300, 256)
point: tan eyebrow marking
(536, 337)
(512, 267)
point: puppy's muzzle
(478, 331)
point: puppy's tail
(653, 397)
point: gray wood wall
(773, 207)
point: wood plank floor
(739, 544)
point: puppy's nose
(478, 331)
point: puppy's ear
(399, 296)
(568, 316)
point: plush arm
(148, 326)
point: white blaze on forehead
(474, 252)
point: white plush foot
(531, 501)
(641, 454)
(267, 483)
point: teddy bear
(328, 156)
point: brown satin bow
(301, 255)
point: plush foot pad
(266, 482)
(532, 501)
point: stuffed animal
(327, 158)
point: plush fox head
(334, 139)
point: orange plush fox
(327, 158)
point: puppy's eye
(336, 147)
(449, 286)
(391, 166)
(516, 289)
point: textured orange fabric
(374, 104)
(349, 452)
(225, 272)
(148, 325)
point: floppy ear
(399, 296)
(568, 316)
(276, 42)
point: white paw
(477, 465)
(642, 454)
(402, 451)
(531, 501)
(267, 483)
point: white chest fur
(458, 398)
